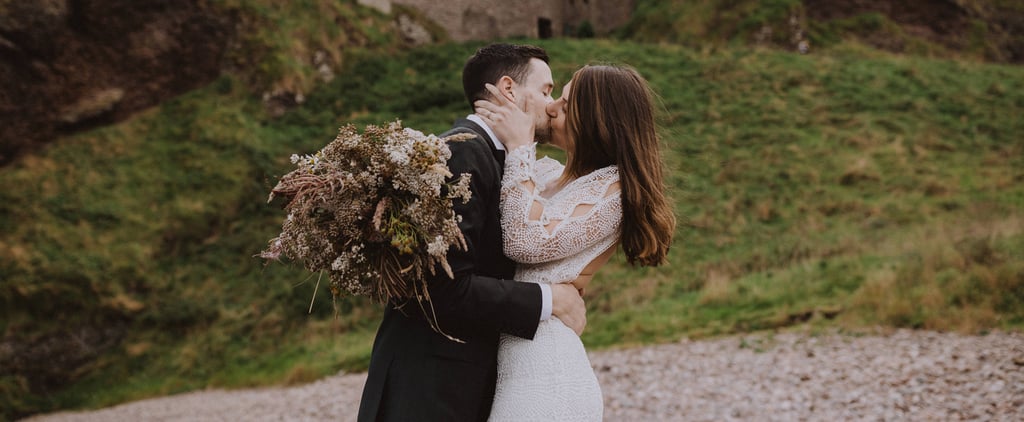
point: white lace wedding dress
(550, 378)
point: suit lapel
(499, 155)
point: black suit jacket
(418, 374)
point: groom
(418, 374)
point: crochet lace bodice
(576, 223)
(553, 232)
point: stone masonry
(490, 19)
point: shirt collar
(494, 138)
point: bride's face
(557, 112)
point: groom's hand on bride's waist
(568, 306)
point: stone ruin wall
(489, 19)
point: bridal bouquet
(373, 211)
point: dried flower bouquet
(374, 211)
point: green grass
(850, 188)
(710, 24)
(990, 29)
(320, 349)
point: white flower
(340, 264)
(415, 134)
(399, 157)
(438, 247)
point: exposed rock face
(489, 19)
(384, 6)
(72, 64)
(412, 32)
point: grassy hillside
(989, 30)
(849, 188)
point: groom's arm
(470, 303)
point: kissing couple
(536, 231)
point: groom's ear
(507, 87)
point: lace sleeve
(540, 230)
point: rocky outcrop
(465, 20)
(72, 64)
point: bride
(561, 222)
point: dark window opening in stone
(544, 28)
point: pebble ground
(902, 375)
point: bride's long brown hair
(610, 118)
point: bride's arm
(529, 235)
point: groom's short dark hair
(492, 62)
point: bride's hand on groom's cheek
(513, 127)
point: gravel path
(904, 375)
